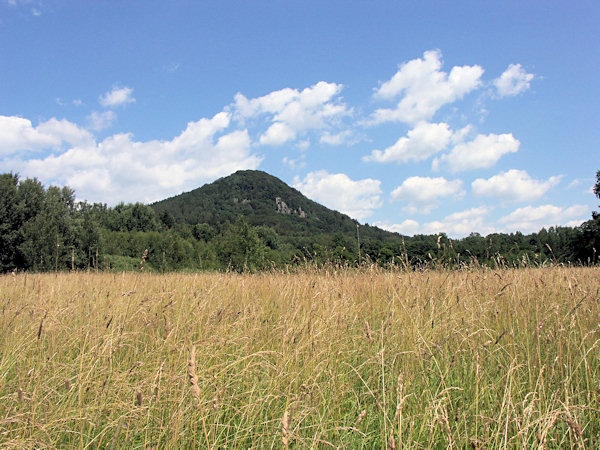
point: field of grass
(319, 358)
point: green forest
(247, 221)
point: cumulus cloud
(343, 137)
(18, 134)
(514, 185)
(423, 141)
(292, 112)
(358, 198)
(513, 81)
(99, 121)
(408, 227)
(526, 220)
(277, 134)
(482, 152)
(119, 168)
(272, 103)
(294, 163)
(424, 88)
(462, 223)
(65, 131)
(116, 97)
(422, 193)
(456, 225)
(532, 218)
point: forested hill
(262, 200)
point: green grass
(471, 358)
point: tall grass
(318, 358)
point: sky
(415, 116)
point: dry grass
(473, 358)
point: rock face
(283, 208)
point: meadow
(474, 358)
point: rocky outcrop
(283, 208)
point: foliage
(43, 229)
(247, 221)
(597, 185)
(241, 247)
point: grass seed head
(285, 429)
(361, 416)
(368, 332)
(392, 443)
(192, 375)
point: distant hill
(263, 200)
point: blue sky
(417, 116)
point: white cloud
(526, 220)
(121, 169)
(514, 185)
(459, 136)
(513, 81)
(456, 225)
(293, 112)
(303, 145)
(425, 88)
(294, 163)
(358, 199)
(277, 134)
(272, 103)
(116, 97)
(423, 141)
(408, 227)
(99, 121)
(480, 153)
(344, 137)
(462, 223)
(173, 67)
(65, 131)
(18, 135)
(423, 193)
(532, 218)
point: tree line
(47, 229)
